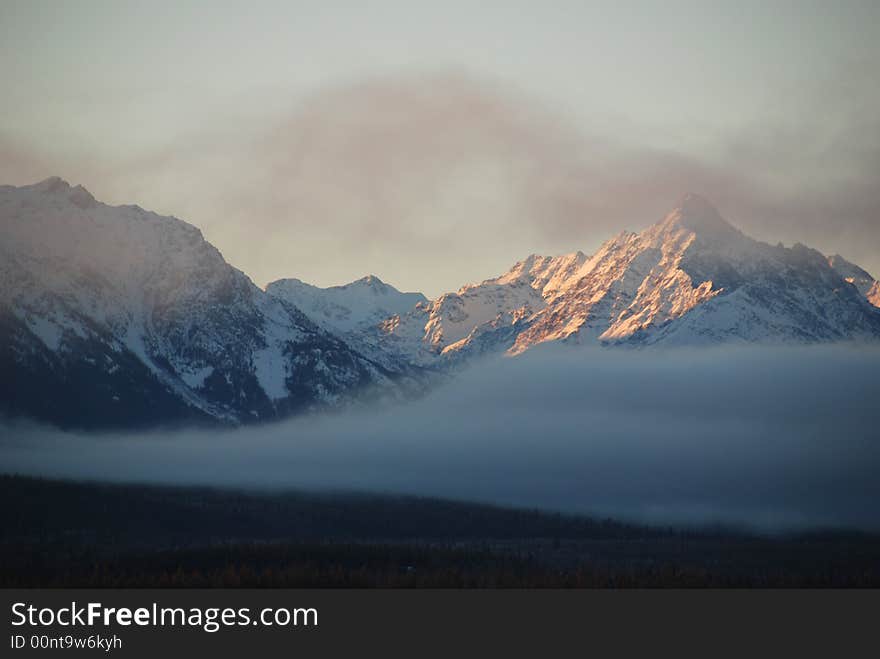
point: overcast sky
(436, 143)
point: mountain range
(113, 316)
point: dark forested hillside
(75, 534)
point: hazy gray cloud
(310, 139)
(18, 163)
(409, 176)
(437, 180)
(775, 438)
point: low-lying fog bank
(773, 438)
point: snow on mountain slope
(760, 294)
(125, 309)
(793, 297)
(693, 278)
(118, 316)
(546, 274)
(470, 320)
(641, 281)
(354, 306)
(690, 278)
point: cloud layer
(773, 438)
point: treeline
(387, 566)
(126, 513)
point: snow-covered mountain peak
(57, 186)
(154, 316)
(690, 278)
(81, 197)
(139, 312)
(59, 232)
(372, 284)
(692, 203)
(694, 213)
(50, 185)
(361, 303)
